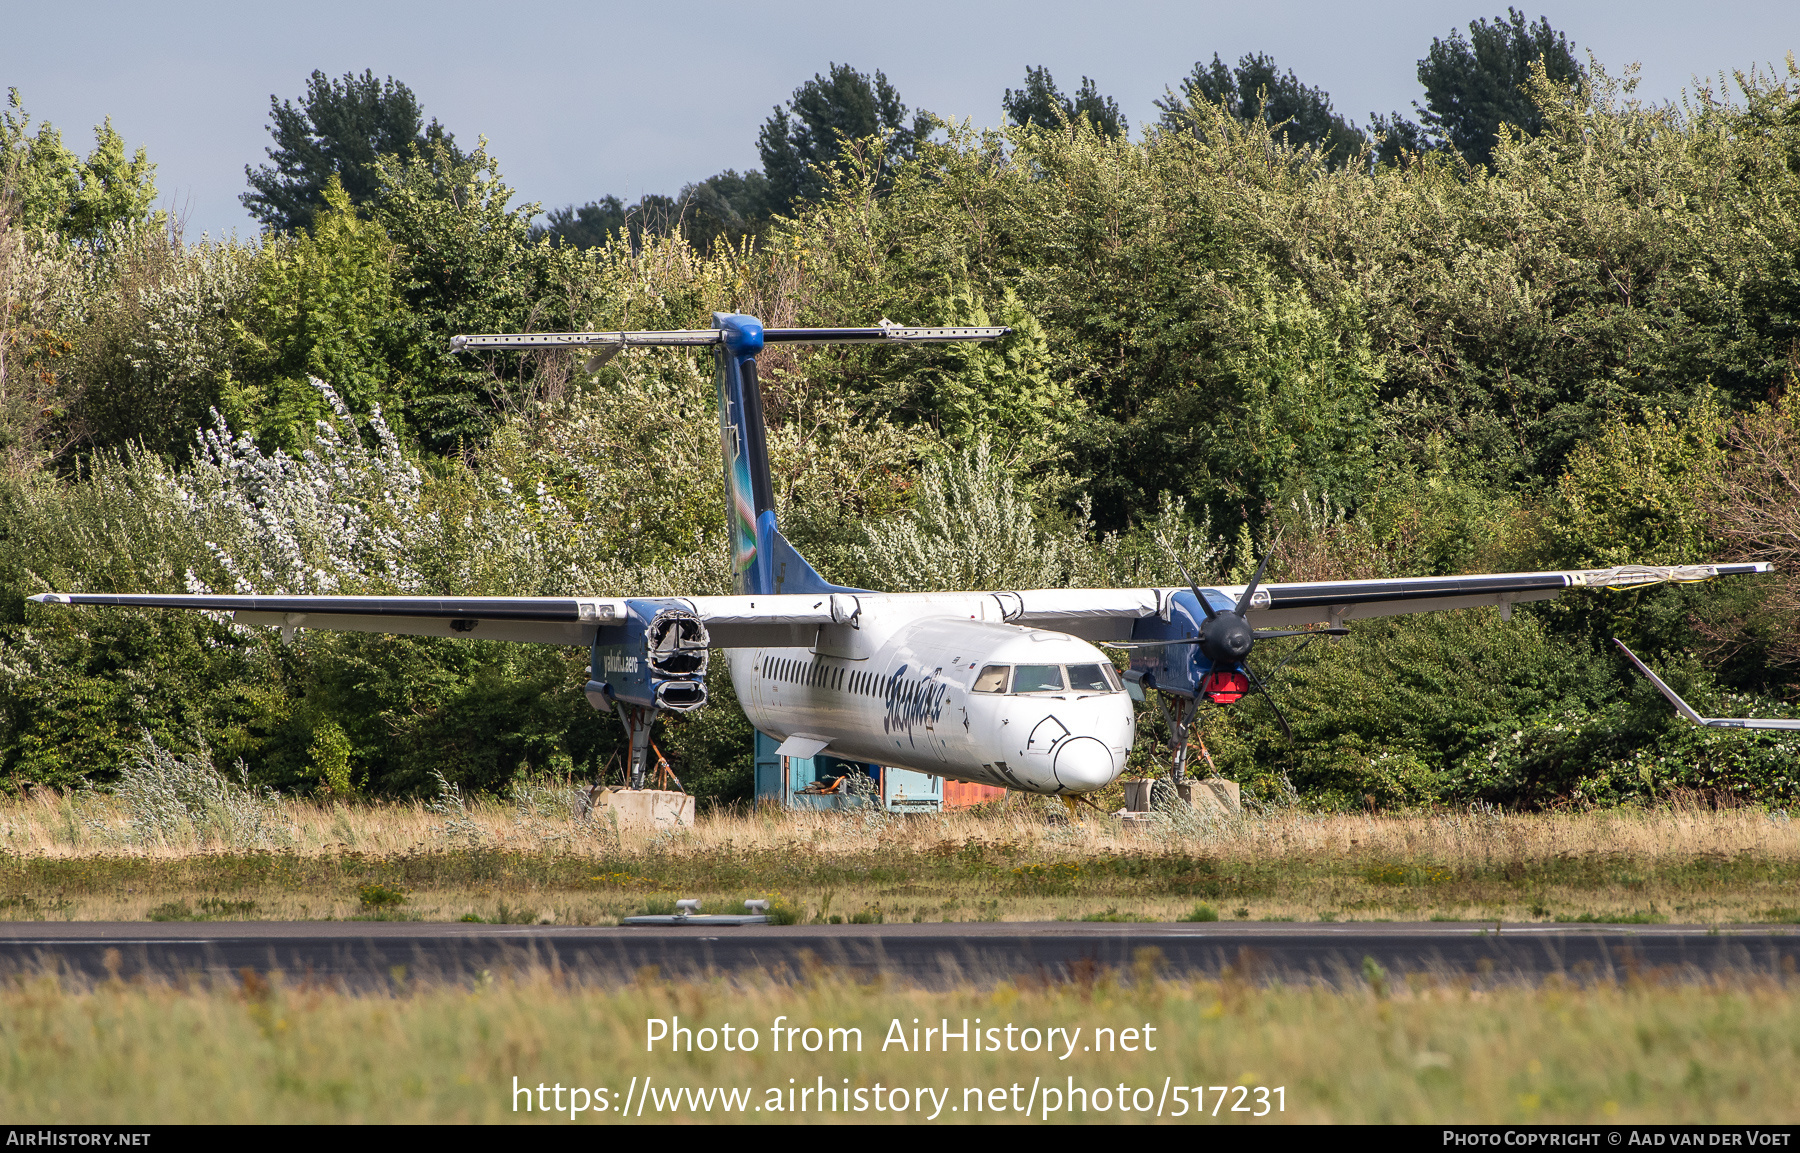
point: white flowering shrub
(353, 514)
(971, 528)
(459, 828)
(339, 515)
(158, 341)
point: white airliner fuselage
(973, 700)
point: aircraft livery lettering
(912, 702)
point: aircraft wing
(733, 621)
(794, 619)
(1108, 614)
(1336, 601)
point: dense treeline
(1224, 339)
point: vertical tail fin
(762, 561)
(748, 491)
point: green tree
(339, 129)
(1040, 103)
(464, 263)
(1474, 86)
(725, 208)
(52, 188)
(1636, 493)
(325, 306)
(1255, 90)
(1394, 136)
(585, 226)
(1202, 366)
(825, 114)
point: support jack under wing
(1687, 710)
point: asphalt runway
(375, 954)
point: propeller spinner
(1226, 638)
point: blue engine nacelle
(655, 658)
(1184, 669)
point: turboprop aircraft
(1004, 687)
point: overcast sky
(581, 100)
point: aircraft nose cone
(1084, 764)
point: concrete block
(645, 809)
(1219, 793)
(1214, 793)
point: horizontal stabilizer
(706, 337)
(1687, 710)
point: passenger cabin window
(992, 679)
(1038, 679)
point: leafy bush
(381, 895)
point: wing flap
(774, 609)
(578, 610)
(1091, 614)
(453, 628)
(1328, 612)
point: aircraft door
(944, 717)
(747, 680)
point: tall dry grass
(53, 824)
(538, 857)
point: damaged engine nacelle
(656, 658)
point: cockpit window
(1090, 678)
(1038, 679)
(992, 679)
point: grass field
(94, 858)
(252, 1050)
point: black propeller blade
(1243, 605)
(1194, 588)
(1257, 681)
(1274, 634)
(1226, 638)
(1258, 634)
